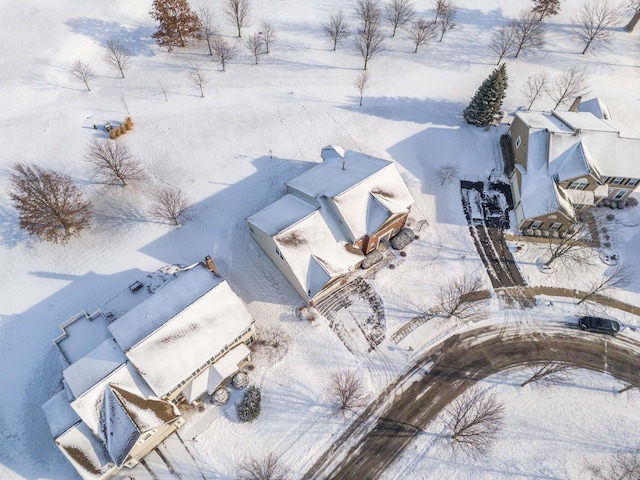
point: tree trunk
(586, 47)
(633, 22)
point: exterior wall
(140, 450)
(391, 228)
(590, 178)
(520, 130)
(271, 249)
(247, 337)
(623, 186)
(547, 221)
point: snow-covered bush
(402, 239)
(240, 380)
(220, 396)
(249, 407)
(371, 259)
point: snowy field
(231, 152)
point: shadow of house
(218, 228)
(25, 341)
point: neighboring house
(124, 378)
(332, 215)
(566, 162)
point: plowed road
(388, 425)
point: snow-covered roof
(94, 366)
(543, 121)
(281, 214)
(171, 299)
(537, 190)
(59, 414)
(315, 252)
(121, 407)
(85, 452)
(595, 107)
(583, 121)
(80, 334)
(364, 190)
(188, 338)
(572, 163)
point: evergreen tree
(487, 101)
(178, 23)
(546, 8)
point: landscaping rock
(402, 239)
(371, 259)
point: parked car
(599, 325)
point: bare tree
(529, 33)
(503, 42)
(178, 23)
(208, 29)
(616, 277)
(546, 8)
(268, 33)
(368, 41)
(573, 249)
(595, 23)
(116, 56)
(362, 83)
(567, 86)
(199, 78)
(440, 7)
(268, 467)
(422, 32)
(345, 391)
(456, 298)
(224, 51)
(548, 373)
(82, 72)
(623, 465)
(447, 173)
(535, 86)
(49, 204)
(475, 418)
(446, 20)
(337, 29)
(237, 12)
(399, 13)
(255, 44)
(170, 204)
(276, 338)
(113, 162)
(634, 5)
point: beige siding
(520, 130)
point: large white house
(124, 378)
(332, 215)
(568, 161)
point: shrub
(117, 130)
(249, 407)
(123, 130)
(112, 134)
(632, 202)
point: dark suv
(600, 325)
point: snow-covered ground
(231, 151)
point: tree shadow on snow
(136, 39)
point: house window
(619, 194)
(617, 181)
(518, 142)
(535, 225)
(555, 226)
(633, 182)
(578, 184)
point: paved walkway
(570, 293)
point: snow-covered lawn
(231, 152)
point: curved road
(386, 428)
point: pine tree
(178, 23)
(546, 8)
(487, 101)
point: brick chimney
(210, 265)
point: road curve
(458, 363)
